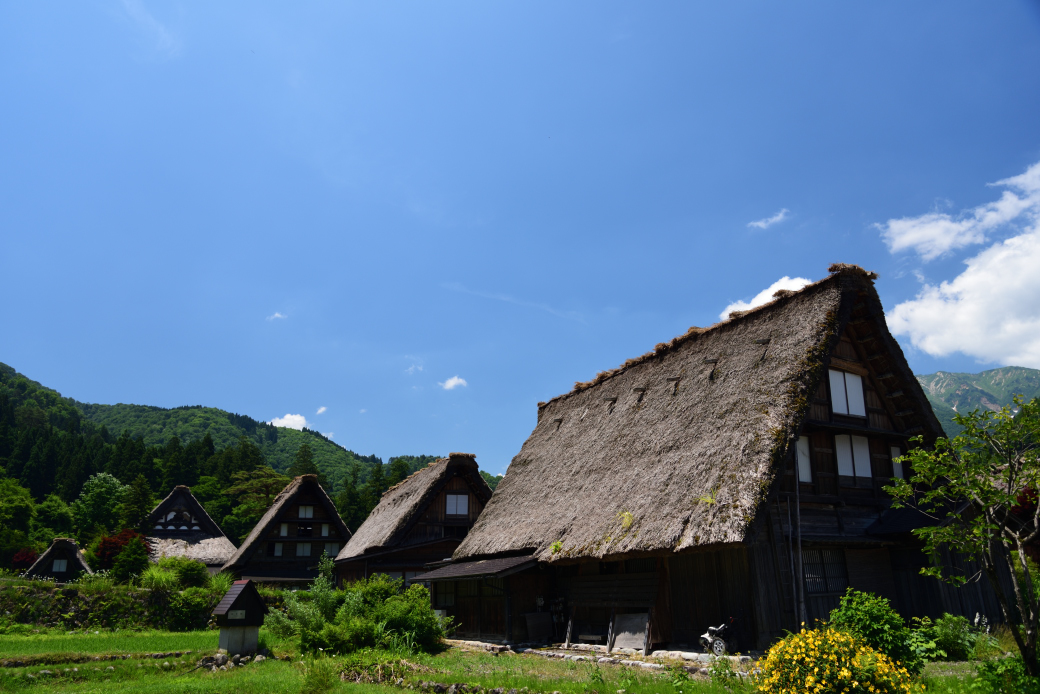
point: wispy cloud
(158, 38)
(988, 311)
(362, 411)
(290, 421)
(937, 233)
(569, 315)
(328, 434)
(415, 367)
(322, 410)
(766, 295)
(453, 383)
(767, 222)
(277, 316)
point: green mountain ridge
(950, 393)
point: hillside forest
(69, 469)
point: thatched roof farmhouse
(735, 471)
(419, 520)
(62, 562)
(180, 527)
(286, 544)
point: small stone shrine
(240, 614)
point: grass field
(509, 671)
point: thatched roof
(299, 485)
(402, 504)
(180, 497)
(211, 551)
(679, 448)
(61, 548)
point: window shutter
(861, 456)
(284, 530)
(854, 395)
(804, 461)
(843, 447)
(839, 404)
(897, 468)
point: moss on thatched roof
(403, 503)
(677, 448)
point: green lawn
(107, 642)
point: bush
(221, 583)
(191, 609)
(189, 573)
(872, 619)
(1006, 676)
(829, 660)
(103, 553)
(24, 558)
(131, 561)
(158, 578)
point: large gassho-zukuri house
(286, 545)
(420, 520)
(180, 527)
(736, 471)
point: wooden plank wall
(709, 587)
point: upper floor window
(804, 460)
(306, 512)
(457, 505)
(847, 394)
(853, 455)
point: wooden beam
(570, 628)
(646, 637)
(610, 630)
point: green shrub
(954, 635)
(280, 625)
(190, 573)
(191, 609)
(221, 582)
(320, 675)
(1006, 676)
(158, 578)
(872, 619)
(829, 660)
(131, 561)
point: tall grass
(108, 642)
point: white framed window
(853, 455)
(60, 566)
(284, 530)
(306, 512)
(804, 460)
(332, 548)
(324, 529)
(847, 394)
(278, 549)
(457, 505)
(303, 549)
(897, 467)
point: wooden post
(570, 628)
(610, 630)
(646, 638)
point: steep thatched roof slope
(637, 461)
(61, 547)
(308, 483)
(406, 501)
(181, 497)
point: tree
(373, 490)
(131, 561)
(137, 503)
(399, 470)
(254, 492)
(981, 488)
(348, 501)
(103, 554)
(101, 494)
(303, 464)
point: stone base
(239, 640)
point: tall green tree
(981, 487)
(374, 487)
(93, 510)
(399, 470)
(137, 504)
(303, 464)
(348, 501)
(253, 493)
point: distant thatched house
(418, 521)
(736, 471)
(180, 527)
(285, 546)
(62, 562)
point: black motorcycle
(714, 641)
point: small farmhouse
(180, 527)
(62, 562)
(734, 472)
(285, 546)
(420, 520)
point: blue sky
(274, 209)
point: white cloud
(413, 368)
(990, 311)
(328, 434)
(322, 410)
(453, 383)
(766, 295)
(291, 421)
(362, 411)
(276, 316)
(936, 233)
(159, 38)
(767, 222)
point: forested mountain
(950, 393)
